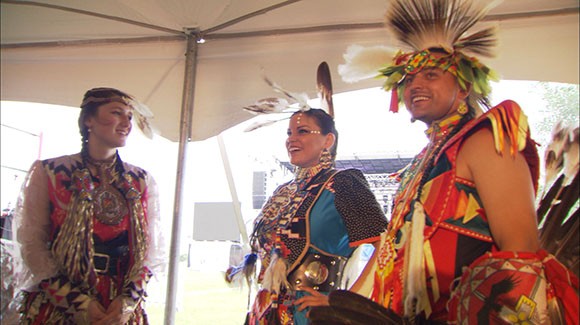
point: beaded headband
(142, 113)
(121, 99)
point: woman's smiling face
(110, 126)
(305, 141)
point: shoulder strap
(330, 174)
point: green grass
(203, 297)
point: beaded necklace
(109, 204)
(415, 177)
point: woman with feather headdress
(87, 224)
(311, 225)
(462, 245)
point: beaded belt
(319, 272)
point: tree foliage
(562, 103)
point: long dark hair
(326, 124)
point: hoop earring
(462, 109)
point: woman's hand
(314, 299)
(95, 312)
(117, 312)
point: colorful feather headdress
(425, 26)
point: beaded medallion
(109, 204)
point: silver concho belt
(319, 272)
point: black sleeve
(362, 214)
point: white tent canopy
(54, 50)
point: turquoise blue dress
(323, 211)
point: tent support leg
(233, 192)
(184, 138)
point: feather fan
(347, 307)
(558, 211)
(554, 154)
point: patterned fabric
(345, 215)
(514, 288)
(62, 298)
(456, 228)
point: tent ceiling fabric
(538, 41)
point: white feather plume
(275, 275)
(268, 106)
(143, 116)
(276, 105)
(258, 124)
(364, 62)
(300, 98)
(416, 287)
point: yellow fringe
(516, 128)
(73, 246)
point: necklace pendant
(110, 205)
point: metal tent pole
(233, 191)
(184, 138)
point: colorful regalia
(321, 214)
(456, 230)
(438, 261)
(85, 236)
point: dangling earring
(462, 109)
(326, 158)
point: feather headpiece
(276, 105)
(292, 102)
(427, 26)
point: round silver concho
(316, 272)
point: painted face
(305, 142)
(432, 94)
(111, 126)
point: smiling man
(462, 245)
